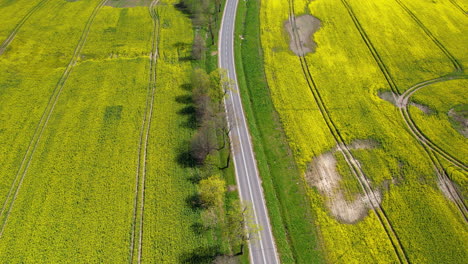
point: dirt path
(136, 240)
(18, 26)
(28, 156)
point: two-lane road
(249, 184)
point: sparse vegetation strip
(21, 173)
(18, 26)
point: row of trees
(212, 136)
(233, 220)
(204, 14)
(237, 225)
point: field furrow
(139, 204)
(21, 173)
(18, 26)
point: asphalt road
(263, 250)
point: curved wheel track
(18, 26)
(432, 149)
(136, 239)
(403, 100)
(28, 156)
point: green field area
(83, 111)
(330, 106)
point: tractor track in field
(140, 176)
(372, 49)
(458, 6)
(402, 103)
(26, 161)
(432, 149)
(457, 65)
(341, 146)
(18, 26)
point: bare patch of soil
(323, 175)
(128, 3)
(363, 144)
(304, 30)
(389, 97)
(461, 121)
(394, 100)
(426, 109)
(443, 186)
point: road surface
(250, 189)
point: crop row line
(350, 159)
(15, 30)
(25, 163)
(140, 176)
(455, 62)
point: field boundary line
(21, 173)
(140, 176)
(18, 26)
(350, 159)
(457, 65)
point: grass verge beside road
(289, 209)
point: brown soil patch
(305, 27)
(128, 3)
(323, 175)
(389, 97)
(460, 120)
(394, 100)
(442, 184)
(423, 108)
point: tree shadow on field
(201, 255)
(186, 160)
(183, 9)
(199, 229)
(194, 202)
(189, 109)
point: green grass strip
(288, 206)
